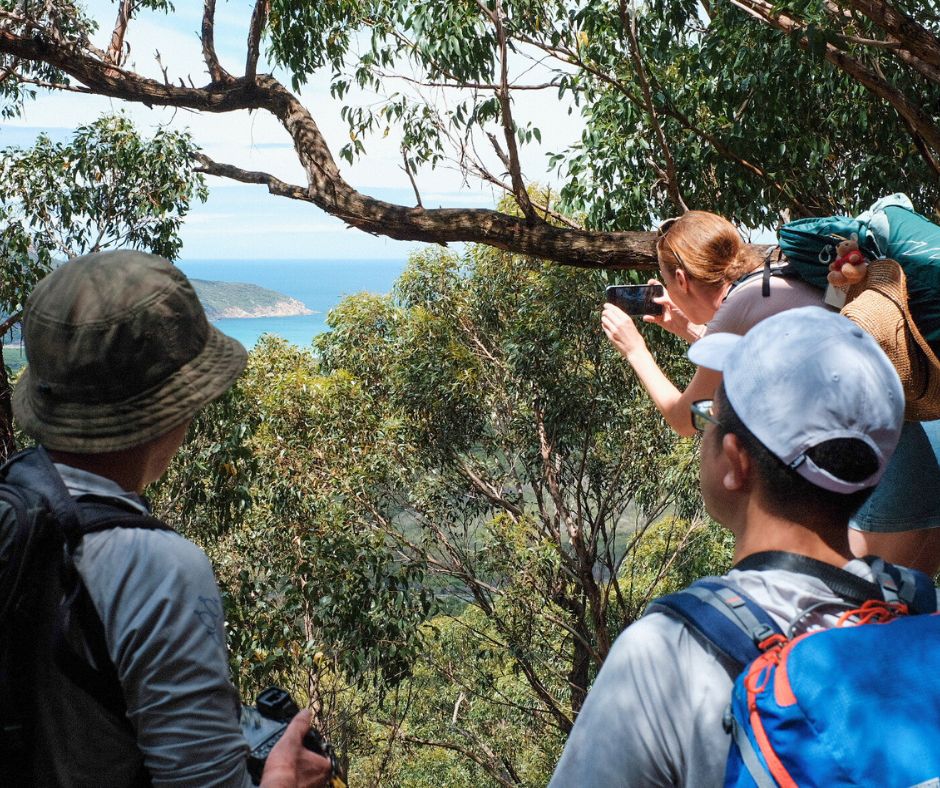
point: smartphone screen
(636, 299)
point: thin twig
(116, 47)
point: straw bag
(879, 305)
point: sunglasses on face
(703, 414)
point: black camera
(263, 725)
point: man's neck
(123, 468)
(761, 531)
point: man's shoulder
(142, 549)
(658, 644)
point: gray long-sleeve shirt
(158, 601)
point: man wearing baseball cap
(800, 431)
(127, 680)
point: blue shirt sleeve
(162, 614)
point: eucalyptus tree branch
(325, 185)
(923, 68)
(116, 47)
(898, 47)
(7, 324)
(585, 557)
(456, 85)
(275, 185)
(918, 40)
(572, 58)
(470, 754)
(874, 43)
(10, 71)
(259, 18)
(628, 23)
(925, 152)
(48, 85)
(489, 492)
(216, 72)
(509, 128)
(912, 113)
(407, 168)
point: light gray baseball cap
(806, 376)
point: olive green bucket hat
(120, 352)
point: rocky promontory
(237, 299)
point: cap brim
(98, 428)
(712, 351)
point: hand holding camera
(285, 751)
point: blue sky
(242, 221)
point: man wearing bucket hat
(129, 685)
(801, 429)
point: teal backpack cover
(890, 228)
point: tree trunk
(7, 439)
(578, 676)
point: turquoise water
(319, 284)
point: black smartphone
(636, 299)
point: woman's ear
(681, 279)
(738, 468)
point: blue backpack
(856, 705)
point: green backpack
(890, 228)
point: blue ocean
(320, 284)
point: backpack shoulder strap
(902, 584)
(73, 520)
(893, 583)
(99, 677)
(95, 513)
(729, 620)
(783, 269)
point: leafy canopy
(107, 187)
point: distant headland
(238, 299)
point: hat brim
(712, 351)
(99, 428)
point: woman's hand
(673, 319)
(621, 331)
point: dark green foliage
(107, 187)
(72, 22)
(818, 141)
(461, 495)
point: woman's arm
(672, 403)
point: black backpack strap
(850, 587)
(730, 621)
(75, 519)
(784, 269)
(895, 583)
(98, 513)
(100, 679)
